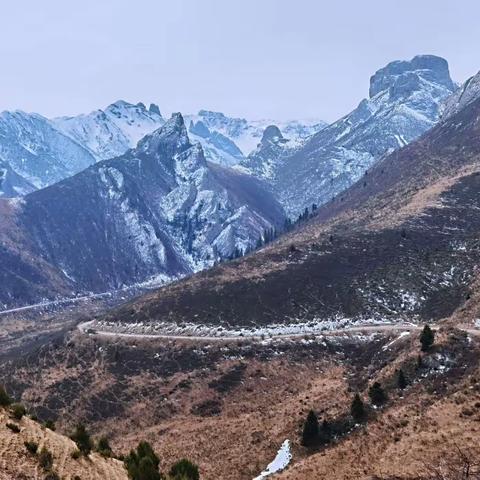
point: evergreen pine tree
(310, 430)
(103, 447)
(377, 394)
(142, 463)
(401, 380)
(82, 438)
(427, 337)
(184, 470)
(325, 434)
(357, 409)
(287, 226)
(5, 400)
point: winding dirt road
(88, 328)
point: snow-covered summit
(110, 132)
(247, 134)
(170, 138)
(403, 76)
(405, 101)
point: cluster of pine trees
(316, 434)
(142, 463)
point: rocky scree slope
(400, 244)
(158, 212)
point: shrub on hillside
(18, 410)
(103, 447)
(142, 463)
(76, 454)
(5, 400)
(45, 459)
(82, 438)
(13, 427)
(50, 424)
(184, 470)
(32, 447)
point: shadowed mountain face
(400, 243)
(158, 212)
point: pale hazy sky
(255, 58)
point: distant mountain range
(178, 196)
(158, 212)
(36, 152)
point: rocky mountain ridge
(405, 101)
(158, 212)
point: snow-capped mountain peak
(405, 100)
(247, 134)
(167, 140)
(110, 132)
(402, 77)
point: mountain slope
(467, 93)
(404, 102)
(217, 147)
(12, 184)
(35, 150)
(159, 211)
(399, 244)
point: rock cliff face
(264, 160)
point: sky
(277, 59)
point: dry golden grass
(17, 463)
